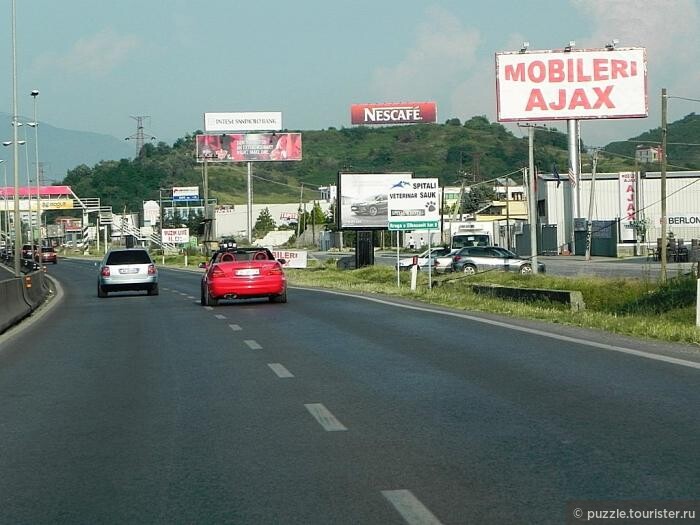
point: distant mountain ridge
(61, 149)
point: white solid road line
(410, 508)
(280, 370)
(542, 333)
(235, 327)
(324, 417)
(220, 316)
(253, 345)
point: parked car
(124, 269)
(243, 273)
(473, 259)
(48, 255)
(375, 205)
(426, 258)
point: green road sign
(414, 225)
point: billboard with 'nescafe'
(394, 113)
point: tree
(317, 215)
(477, 197)
(264, 224)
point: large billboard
(393, 113)
(414, 205)
(363, 199)
(249, 147)
(576, 84)
(247, 121)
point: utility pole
(589, 219)
(477, 166)
(664, 111)
(301, 199)
(507, 216)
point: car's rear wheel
(281, 298)
(526, 269)
(469, 269)
(208, 299)
(101, 292)
(153, 290)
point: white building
(625, 198)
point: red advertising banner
(394, 113)
(249, 147)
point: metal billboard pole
(250, 203)
(532, 198)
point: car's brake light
(105, 271)
(274, 270)
(151, 269)
(217, 272)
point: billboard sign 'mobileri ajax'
(249, 147)
(571, 85)
(413, 204)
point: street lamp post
(35, 125)
(15, 145)
(16, 214)
(4, 207)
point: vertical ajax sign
(628, 205)
(413, 204)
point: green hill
(480, 149)
(683, 144)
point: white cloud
(97, 55)
(669, 32)
(443, 54)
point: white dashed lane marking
(220, 316)
(210, 308)
(280, 370)
(324, 417)
(235, 327)
(410, 508)
(253, 345)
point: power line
(684, 98)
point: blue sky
(97, 64)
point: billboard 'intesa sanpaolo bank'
(571, 84)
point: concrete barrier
(573, 298)
(20, 296)
(35, 288)
(13, 306)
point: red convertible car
(243, 273)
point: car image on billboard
(363, 199)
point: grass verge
(635, 307)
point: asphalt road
(329, 409)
